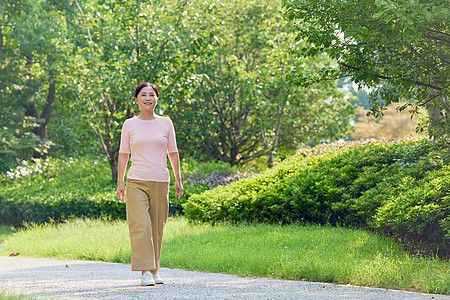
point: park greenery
(70, 69)
(398, 49)
(6, 295)
(261, 89)
(398, 189)
(294, 252)
(52, 189)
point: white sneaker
(156, 278)
(147, 279)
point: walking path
(58, 279)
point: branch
(245, 159)
(436, 38)
(390, 77)
(435, 96)
(161, 50)
(87, 27)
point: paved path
(58, 279)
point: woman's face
(147, 99)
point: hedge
(400, 189)
(16, 212)
(40, 191)
(55, 189)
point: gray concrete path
(58, 279)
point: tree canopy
(398, 49)
(69, 70)
(127, 43)
(243, 108)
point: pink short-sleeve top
(149, 141)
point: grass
(78, 239)
(5, 231)
(4, 295)
(297, 252)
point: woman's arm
(122, 165)
(175, 162)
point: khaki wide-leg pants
(147, 210)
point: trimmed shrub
(16, 212)
(397, 188)
(53, 189)
(420, 211)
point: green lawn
(5, 231)
(9, 296)
(298, 252)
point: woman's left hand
(179, 189)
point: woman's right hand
(121, 191)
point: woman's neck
(150, 115)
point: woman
(149, 138)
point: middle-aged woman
(149, 138)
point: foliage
(17, 141)
(37, 210)
(33, 44)
(189, 190)
(190, 167)
(41, 190)
(70, 135)
(419, 211)
(399, 189)
(53, 189)
(202, 176)
(243, 108)
(121, 44)
(72, 67)
(398, 49)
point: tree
(17, 142)
(123, 43)
(33, 44)
(399, 49)
(243, 108)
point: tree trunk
(41, 130)
(1, 38)
(113, 163)
(434, 115)
(439, 123)
(270, 164)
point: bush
(16, 212)
(397, 188)
(420, 211)
(202, 176)
(189, 190)
(191, 166)
(53, 189)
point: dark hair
(142, 85)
